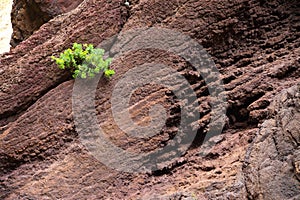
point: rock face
(275, 151)
(255, 45)
(28, 15)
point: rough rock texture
(28, 15)
(275, 151)
(255, 45)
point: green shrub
(84, 61)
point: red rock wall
(255, 45)
(28, 16)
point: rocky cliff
(255, 47)
(28, 15)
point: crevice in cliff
(26, 17)
(29, 15)
(239, 114)
(168, 169)
(245, 165)
(8, 164)
(124, 16)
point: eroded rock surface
(29, 15)
(275, 151)
(255, 45)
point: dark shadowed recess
(28, 16)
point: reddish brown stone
(42, 157)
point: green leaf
(77, 46)
(84, 61)
(108, 61)
(97, 70)
(83, 75)
(74, 75)
(89, 48)
(53, 58)
(91, 74)
(109, 73)
(76, 72)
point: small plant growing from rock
(84, 61)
